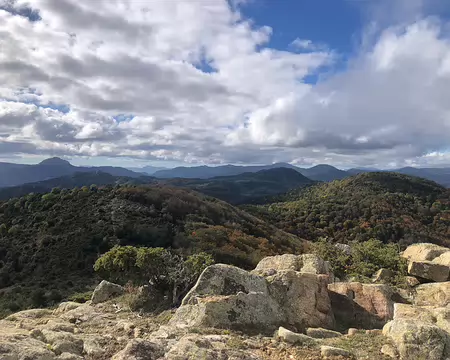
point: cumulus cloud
(195, 81)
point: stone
(69, 356)
(329, 351)
(429, 270)
(29, 314)
(209, 347)
(105, 291)
(58, 325)
(412, 281)
(418, 340)
(221, 279)
(228, 297)
(383, 275)
(352, 331)
(24, 348)
(443, 259)
(303, 299)
(345, 248)
(92, 347)
(364, 306)
(66, 306)
(423, 252)
(433, 294)
(139, 349)
(81, 313)
(241, 311)
(308, 263)
(63, 342)
(294, 338)
(389, 350)
(319, 333)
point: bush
(161, 269)
(364, 259)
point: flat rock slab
(329, 351)
(319, 333)
(429, 270)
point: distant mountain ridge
(18, 174)
(237, 189)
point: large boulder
(415, 339)
(252, 312)
(433, 294)
(228, 297)
(105, 291)
(303, 298)
(306, 263)
(429, 270)
(443, 259)
(424, 252)
(364, 306)
(221, 279)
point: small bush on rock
(364, 259)
(160, 269)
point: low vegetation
(389, 207)
(52, 241)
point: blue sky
(345, 82)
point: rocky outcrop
(428, 262)
(433, 294)
(416, 339)
(306, 263)
(139, 349)
(429, 270)
(227, 297)
(423, 252)
(364, 306)
(105, 291)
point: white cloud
(199, 83)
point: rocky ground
(289, 307)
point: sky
(350, 83)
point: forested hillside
(387, 206)
(51, 241)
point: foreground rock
(331, 352)
(423, 252)
(294, 338)
(418, 340)
(105, 291)
(429, 270)
(138, 349)
(319, 333)
(435, 294)
(364, 306)
(228, 297)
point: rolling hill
(51, 241)
(238, 189)
(387, 206)
(247, 187)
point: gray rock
(139, 349)
(294, 338)
(429, 270)
(415, 339)
(105, 291)
(66, 306)
(329, 351)
(221, 279)
(383, 275)
(389, 350)
(436, 294)
(69, 356)
(319, 333)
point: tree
(160, 268)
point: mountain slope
(387, 206)
(324, 173)
(247, 187)
(51, 241)
(17, 174)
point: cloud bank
(196, 82)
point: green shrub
(162, 269)
(364, 259)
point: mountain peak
(55, 161)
